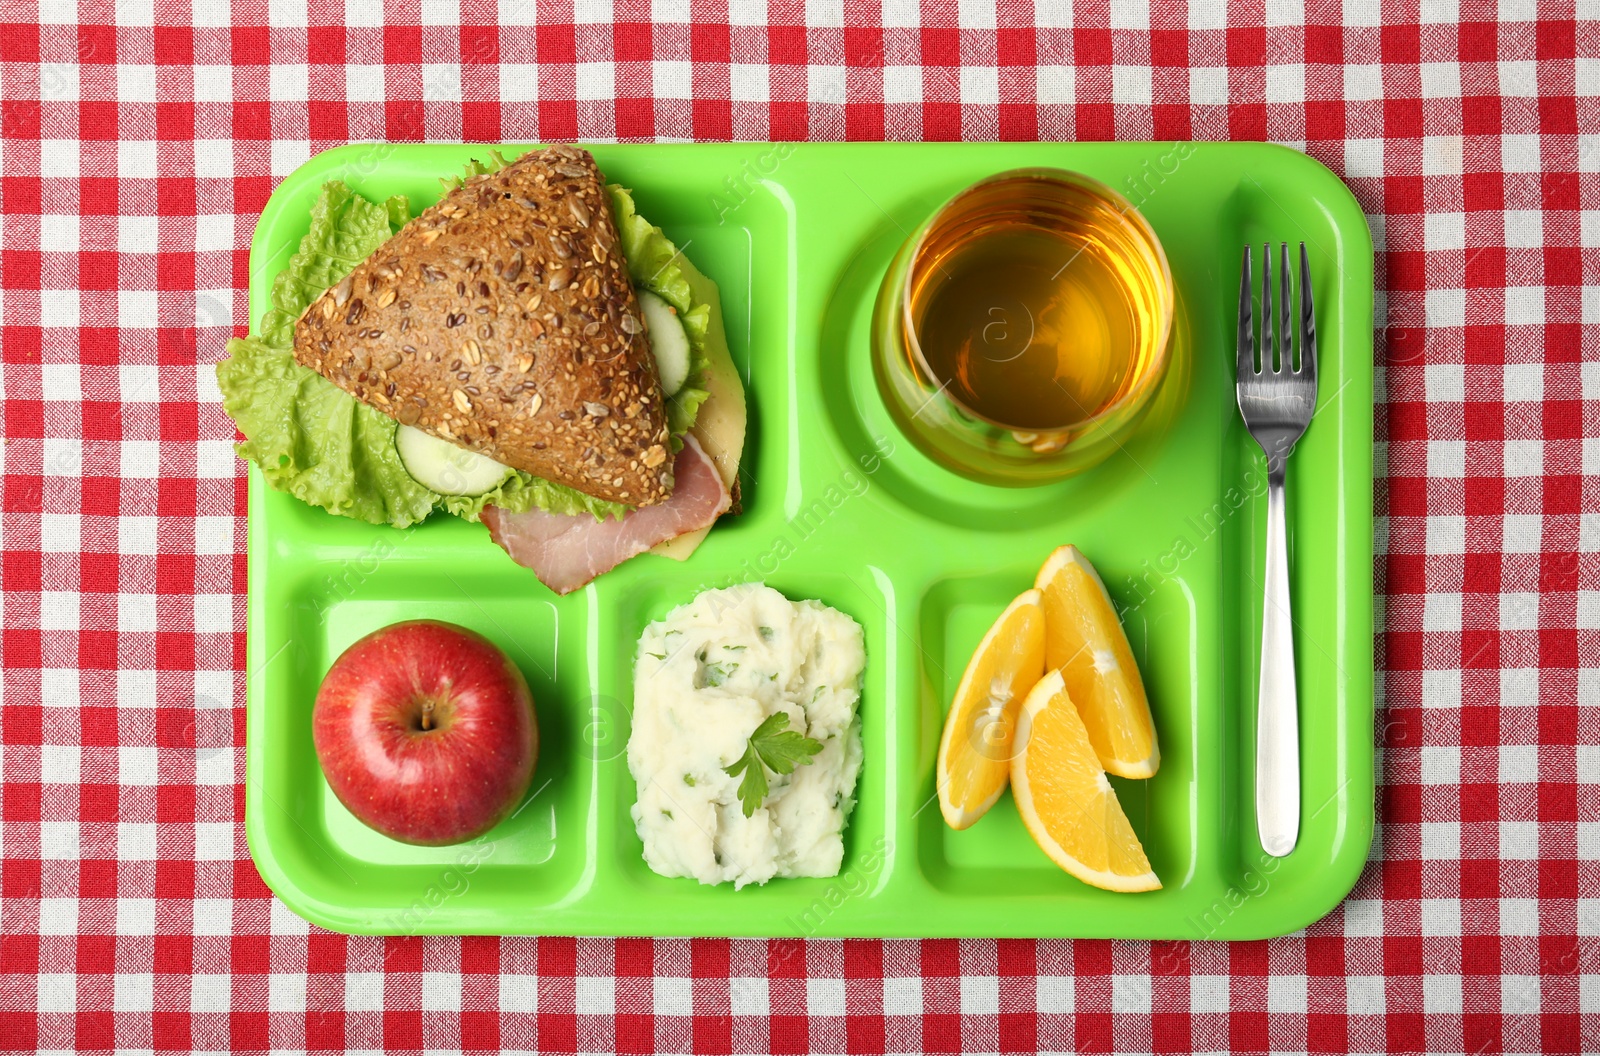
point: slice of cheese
(721, 422)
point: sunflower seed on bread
(498, 321)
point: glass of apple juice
(1021, 332)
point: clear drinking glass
(1021, 332)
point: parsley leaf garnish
(771, 747)
(714, 675)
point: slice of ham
(566, 552)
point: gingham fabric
(142, 138)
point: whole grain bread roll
(503, 319)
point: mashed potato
(705, 678)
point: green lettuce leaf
(311, 438)
(653, 264)
(345, 230)
(524, 491)
(316, 441)
(474, 167)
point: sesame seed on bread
(503, 319)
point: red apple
(425, 731)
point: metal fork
(1276, 401)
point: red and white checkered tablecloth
(141, 139)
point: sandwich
(528, 353)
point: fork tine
(1269, 347)
(1245, 348)
(1308, 319)
(1285, 312)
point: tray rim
(1346, 871)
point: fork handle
(1277, 721)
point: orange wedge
(1069, 807)
(975, 750)
(1085, 641)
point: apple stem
(427, 714)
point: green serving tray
(838, 506)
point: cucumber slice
(667, 340)
(441, 466)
